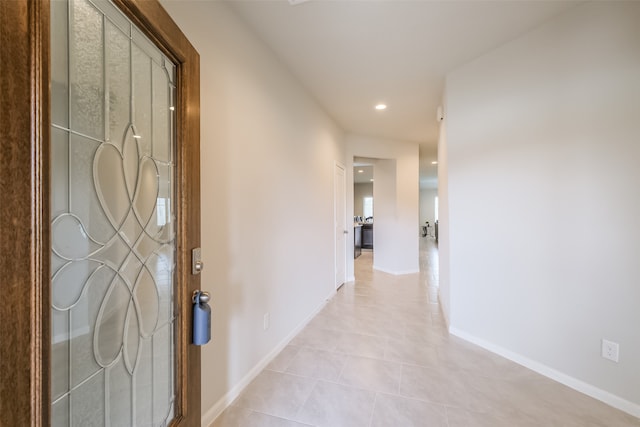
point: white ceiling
(364, 177)
(351, 55)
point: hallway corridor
(379, 355)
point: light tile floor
(379, 355)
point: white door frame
(341, 231)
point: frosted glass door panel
(86, 69)
(112, 225)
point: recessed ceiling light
(434, 163)
(381, 107)
(371, 180)
(360, 171)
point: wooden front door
(100, 209)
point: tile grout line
(297, 415)
(446, 415)
(373, 409)
(346, 362)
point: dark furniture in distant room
(367, 236)
(357, 241)
(436, 231)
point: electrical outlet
(610, 350)
(265, 321)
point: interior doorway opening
(363, 210)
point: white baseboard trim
(574, 383)
(396, 273)
(351, 279)
(214, 412)
(413, 271)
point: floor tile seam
(386, 348)
(367, 306)
(483, 376)
(344, 353)
(358, 354)
(373, 358)
(271, 414)
(280, 417)
(317, 328)
(340, 378)
(312, 347)
(350, 319)
(312, 376)
(331, 329)
(302, 405)
(350, 386)
(417, 365)
(499, 415)
(412, 335)
(373, 410)
(440, 406)
(370, 335)
(367, 335)
(433, 402)
(364, 388)
(477, 411)
(295, 375)
(332, 350)
(251, 407)
(298, 348)
(437, 369)
(343, 367)
(418, 400)
(446, 416)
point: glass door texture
(112, 220)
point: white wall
(385, 244)
(444, 290)
(395, 199)
(268, 154)
(543, 145)
(428, 207)
(360, 191)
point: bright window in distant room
(367, 207)
(435, 203)
(162, 211)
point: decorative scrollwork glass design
(112, 205)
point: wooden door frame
(25, 124)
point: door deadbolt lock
(199, 265)
(196, 261)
